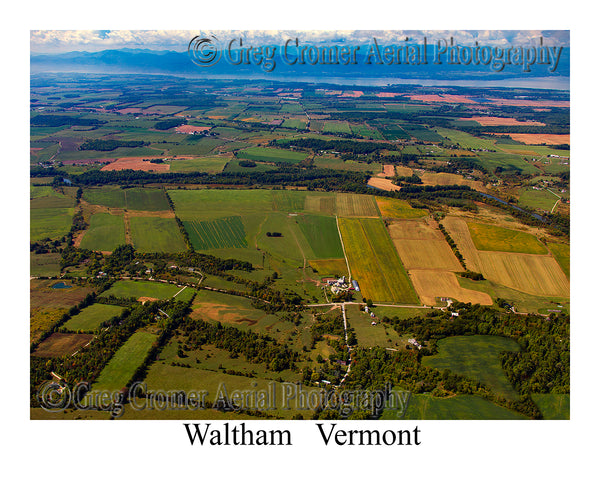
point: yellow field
(534, 274)
(459, 231)
(421, 245)
(430, 284)
(450, 179)
(403, 171)
(394, 208)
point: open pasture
(50, 223)
(429, 178)
(148, 199)
(380, 335)
(90, 318)
(374, 262)
(459, 407)
(477, 357)
(330, 267)
(155, 234)
(554, 406)
(124, 363)
(148, 290)
(200, 165)
(207, 204)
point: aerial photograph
(299, 225)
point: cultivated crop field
(105, 232)
(352, 205)
(148, 199)
(374, 262)
(220, 233)
(562, 253)
(155, 234)
(90, 318)
(50, 223)
(477, 357)
(201, 165)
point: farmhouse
(413, 341)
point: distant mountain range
(180, 63)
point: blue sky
(57, 41)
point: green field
(374, 262)
(90, 318)
(366, 132)
(460, 407)
(201, 165)
(225, 232)
(394, 132)
(105, 233)
(136, 289)
(208, 204)
(263, 154)
(290, 201)
(506, 163)
(477, 357)
(124, 363)
(337, 127)
(381, 335)
(50, 223)
(348, 165)
(466, 140)
(155, 234)
(554, 406)
(562, 253)
(44, 265)
(234, 166)
(149, 199)
(498, 239)
(322, 235)
(294, 123)
(423, 133)
(542, 199)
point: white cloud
(48, 41)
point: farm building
(355, 285)
(413, 341)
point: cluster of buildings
(341, 285)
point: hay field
(430, 284)
(395, 208)
(459, 231)
(422, 246)
(383, 184)
(534, 274)
(429, 178)
(352, 205)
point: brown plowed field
(59, 344)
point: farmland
(164, 237)
(243, 200)
(374, 263)
(124, 363)
(105, 233)
(90, 318)
(220, 233)
(476, 357)
(493, 238)
(149, 290)
(461, 407)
